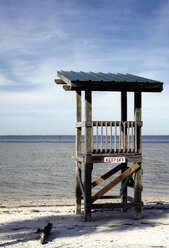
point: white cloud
(5, 82)
(38, 38)
(44, 99)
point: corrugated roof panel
(78, 76)
(66, 74)
(106, 76)
(126, 78)
(141, 79)
(116, 77)
(100, 76)
(108, 81)
(90, 76)
(85, 76)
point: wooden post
(88, 151)
(124, 140)
(138, 174)
(78, 152)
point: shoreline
(20, 219)
(18, 203)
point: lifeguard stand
(114, 142)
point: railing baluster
(128, 136)
(97, 136)
(124, 136)
(111, 136)
(106, 139)
(135, 136)
(132, 137)
(119, 136)
(101, 136)
(115, 137)
(140, 141)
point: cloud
(39, 100)
(5, 82)
(38, 38)
(26, 26)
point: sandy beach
(19, 221)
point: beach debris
(43, 233)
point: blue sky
(39, 38)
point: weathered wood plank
(128, 137)
(138, 174)
(115, 138)
(124, 143)
(100, 158)
(68, 88)
(132, 138)
(125, 174)
(135, 139)
(120, 137)
(114, 123)
(88, 119)
(137, 116)
(88, 151)
(111, 137)
(59, 81)
(113, 86)
(123, 191)
(97, 137)
(67, 81)
(124, 106)
(78, 158)
(138, 191)
(110, 197)
(116, 205)
(106, 138)
(78, 152)
(106, 175)
(87, 191)
(101, 136)
(84, 124)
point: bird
(43, 233)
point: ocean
(36, 167)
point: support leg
(88, 193)
(138, 192)
(124, 193)
(77, 188)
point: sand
(19, 221)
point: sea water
(41, 167)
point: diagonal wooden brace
(117, 180)
(106, 176)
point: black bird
(43, 233)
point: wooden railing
(114, 136)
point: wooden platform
(99, 158)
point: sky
(40, 37)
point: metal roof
(107, 81)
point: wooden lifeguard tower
(114, 142)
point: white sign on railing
(114, 160)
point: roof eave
(114, 86)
